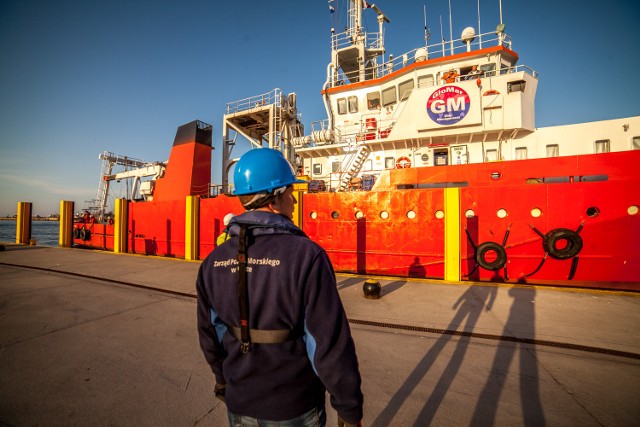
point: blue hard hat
(262, 169)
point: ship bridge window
(373, 100)
(425, 81)
(505, 68)
(335, 167)
(317, 169)
(553, 150)
(517, 86)
(405, 89)
(389, 96)
(603, 146)
(489, 70)
(353, 104)
(342, 106)
(635, 143)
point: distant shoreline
(32, 219)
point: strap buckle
(245, 347)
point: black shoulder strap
(243, 295)
(262, 336)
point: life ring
(481, 256)
(573, 243)
(85, 234)
(491, 92)
(403, 162)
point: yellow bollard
(192, 228)
(121, 222)
(452, 234)
(65, 236)
(23, 223)
(298, 193)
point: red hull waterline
(565, 221)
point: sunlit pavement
(79, 350)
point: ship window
(517, 86)
(491, 155)
(521, 153)
(389, 96)
(488, 69)
(353, 104)
(635, 143)
(373, 101)
(505, 68)
(603, 146)
(317, 169)
(368, 165)
(425, 81)
(553, 150)
(335, 167)
(405, 89)
(389, 163)
(342, 106)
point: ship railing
(347, 39)
(217, 189)
(436, 50)
(268, 98)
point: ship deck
(89, 337)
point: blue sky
(80, 77)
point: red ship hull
(506, 211)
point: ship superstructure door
(459, 155)
(440, 156)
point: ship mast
(354, 52)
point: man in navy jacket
(276, 354)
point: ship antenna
(444, 51)
(451, 29)
(426, 35)
(500, 12)
(479, 32)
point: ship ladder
(354, 167)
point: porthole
(411, 214)
(536, 212)
(439, 214)
(335, 215)
(592, 211)
(502, 213)
(469, 213)
(632, 210)
(496, 175)
(359, 215)
(384, 214)
(313, 215)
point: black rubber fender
(76, 233)
(501, 256)
(572, 248)
(85, 234)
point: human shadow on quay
(521, 319)
(470, 306)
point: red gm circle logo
(448, 105)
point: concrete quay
(87, 338)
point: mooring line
(532, 341)
(436, 331)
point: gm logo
(448, 105)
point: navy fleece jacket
(291, 285)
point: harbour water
(44, 232)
